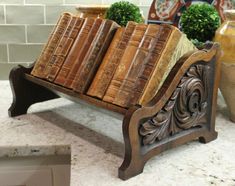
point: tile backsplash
(26, 24)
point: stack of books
(97, 57)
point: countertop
(94, 139)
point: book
(111, 60)
(126, 89)
(150, 63)
(94, 57)
(125, 63)
(75, 51)
(96, 28)
(63, 52)
(63, 47)
(177, 45)
(50, 46)
(96, 88)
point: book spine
(158, 73)
(125, 63)
(59, 46)
(62, 51)
(85, 50)
(51, 45)
(109, 65)
(74, 52)
(150, 63)
(91, 63)
(128, 84)
(96, 89)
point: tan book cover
(125, 62)
(62, 51)
(96, 88)
(176, 47)
(94, 32)
(150, 62)
(75, 51)
(126, 90)
(111, 60)
(49, 48)
(94, 57)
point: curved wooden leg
(24, 92)
(133, 163)
(212, 99)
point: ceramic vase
(92, 10)
(225, 35)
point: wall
(26, 24)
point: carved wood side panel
(187, 107)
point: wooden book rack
(182, 110)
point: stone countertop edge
(29, 150)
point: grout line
(18, 24)
(21, 62)
(8, 54)
(44, 14)
(13, 4)
(24, 4)
(26, 35)
(5, 14)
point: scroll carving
(187, 107)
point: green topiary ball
(122, 12)
(200, 22)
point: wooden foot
(130, 171)
(232, 118)
(25, 93)
(208, 137)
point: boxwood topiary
(122, 12)
(200, 22)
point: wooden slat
(74, 96)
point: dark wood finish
(182, 110)
(25, 93)
(187, 107)
(74, 96)
(136, 152)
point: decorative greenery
(200, 22)
(122, 12)
(233, 2)
(197, 43)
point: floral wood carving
(186, 108)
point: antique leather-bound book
(125, 63)
(94, 57)
(149, 63)
(63, 48)
(75, 51)
(176, 47)
(49, 48)
(96, 28)
(126, 89)
(111, 60)
(60, 49)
